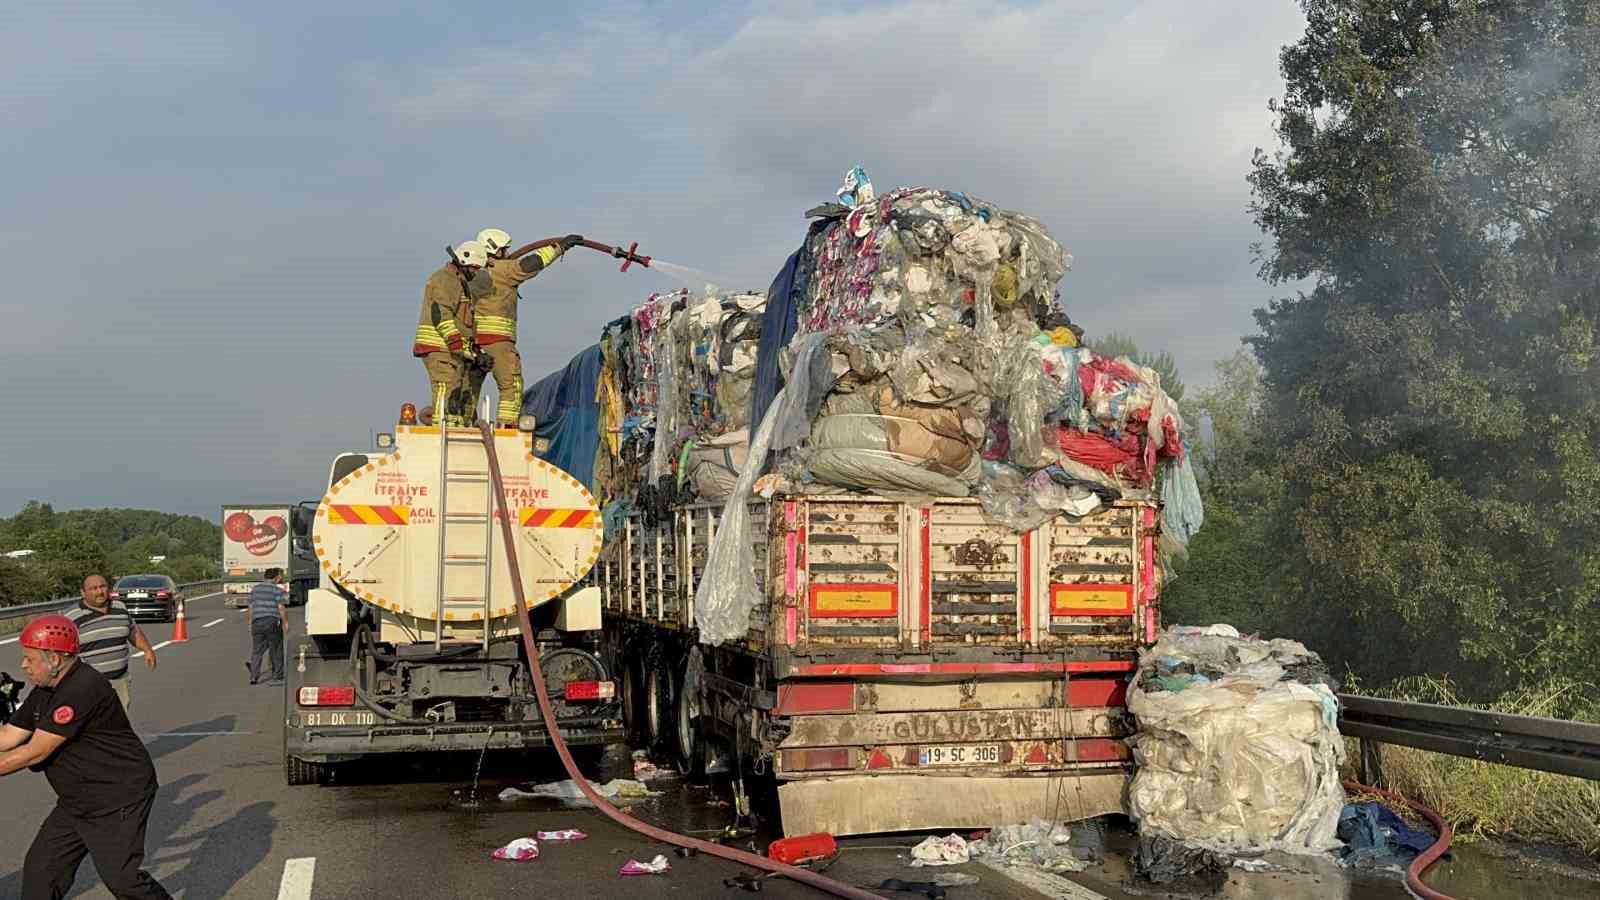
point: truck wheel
(633, 706)
(658, 706)
(297, 771)
(689, 745)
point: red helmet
(51, 632)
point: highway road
(226, 825)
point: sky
(216, 218)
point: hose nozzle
(629, 256)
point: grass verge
(1481, 799)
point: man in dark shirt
(72, 727)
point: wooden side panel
(1090, 573)
(855, 582)
(977, 580)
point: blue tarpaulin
(563, 403)
(779, 322)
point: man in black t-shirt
(72, 727)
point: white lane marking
(204, 597)
(10, 640)
(297, 876)
(160, 645)
(213, 622)
(1049, 884)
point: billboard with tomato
(254, 538)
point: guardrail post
(1369, 764)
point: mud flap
(865, 804)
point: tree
(1432, 396)
(1118, 345)
(33, 518)
(1230, 570)
(69, 555)
(1231, 452)
(23, 581)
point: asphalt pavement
(226, 825)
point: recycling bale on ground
(1237, 747)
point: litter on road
(523, 848)
(1375, 837)
(950, 850)
(653, 867)
(619, 789)
(1043, 845)
(570, 834)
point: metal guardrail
(29, 610)
(1547, 745)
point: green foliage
(1430, 402)
(22, 582)
(68, 546)
(1229, 573)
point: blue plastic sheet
(1374, 836)
(568, 415)
(780, 320)
(1182, 511)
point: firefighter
(73, 728)
(441, 341)
(495, 315)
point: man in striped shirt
(269, 622)
(104, 632)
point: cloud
(251, 201)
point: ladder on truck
(460, 554)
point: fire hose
(804, 876)
(628, 256)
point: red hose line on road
(1429, 856)
(836, 888)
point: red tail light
(116, 595)
(163, 595)
(328, 695)
(591, 690)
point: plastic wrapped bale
(887, 455)
(713, 466)
(922, 252)
(1237, 747)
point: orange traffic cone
(180, 629)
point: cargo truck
(912, 666)
(261, 536)
(908, 666)
(412, 634)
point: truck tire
(633, 706)
(297, 771)
(688, 744)
(658, 718)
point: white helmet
(494, 239)
(471, 253)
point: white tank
(377, 533)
